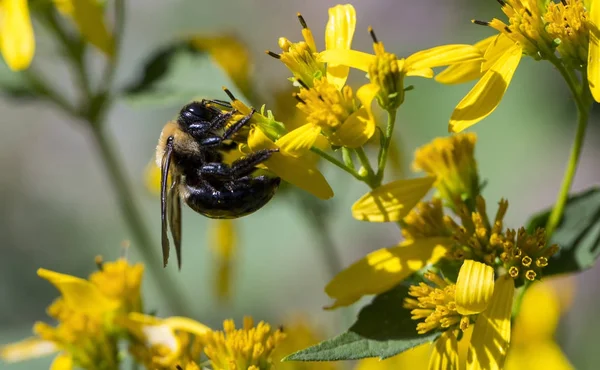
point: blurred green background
(58, 210)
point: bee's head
(197, 114)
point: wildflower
(301, 58)
(246, 348)
(17, 42)
(451, 308)
(336, 114)
(120, 281)
(539, 30)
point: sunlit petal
(89, 17)
(474, 287)
(442, 56)
(533, 324)
(17, 42)
(63, 361)
(496, 49)
(187, 325)
(338, 35)
(445, 352)
(593, 67)
(27, 349)
(298, 142)
(392, 201)
(80, 294)
(381, 270)
(487, 93)
(466, 71)
(538, 355)
(491, 335)
(351, 58)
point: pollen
(568, 21)
(436, 304)
(326, 106)
(451, 160)
(525, 255)
(242, 349)
(425, 220)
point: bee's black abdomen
(232, 200)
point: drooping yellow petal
(538, 355)
(500, 44)
(63, 361)
(487, 93)
(393, 201)
(381, 270)
(350, 58)
(298, 142)
(17, 42)
(442, 56)
(187, 325)
(89, 18)
(27, 349)
(445, 352)
(338, 35)
(297, 171)
(593, 67)
(474, 287)
(415, 359)
(491, 335)
(467, 71)
(80, 294)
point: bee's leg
(240, 168)
(238, 125)
(221, 120)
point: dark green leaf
(176, 75)
(577, 235)
(383, 329)
(15, 84)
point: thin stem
(519, 298)
(135, 221)
(383, 152)
(370, 177)
(337, 163)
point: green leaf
(176, 75)
(383, 329)
(15, 84)
(577, 235)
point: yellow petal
(297, 171)
(487, 93)
(593, 67)
(499, 45)
(415, 359)
(533, 324)
(187, 325)
(442, 56)
(491, 335)
(383, 269)
(298, 142)
(423, 72)
(89, 18)
(360, 126)
(445, 352)
(232, 55)
(152, 178)
(338, 35)
(63, 361)
(466, 71)
(474, 287)
(17, 42)
(79, 294)
(27, 349)
(393, 201)
(350, 58)
(538, 355)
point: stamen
(372, 33)
(272, 54)
(299, 98)
(229, 94)
(99, 262)
(481, 23)
(507, 29)
(528, 12)
(303, 84)
(302, 21)
(564, 2)
(502, 3)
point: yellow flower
(120, 281)
(85, 334)
(451, 307)
(538, 29)
(17, 42)
(223, 242)
(164, 344)
(301, 58)
(246, 348)
(336, 114)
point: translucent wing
(164, 178)
(174, 213)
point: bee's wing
(174, 212)
(164, 178)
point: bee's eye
(196, 111)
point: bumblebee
(189, 153)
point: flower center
(568, 22)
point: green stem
(370, 178)
(383, 152)
(135, 222)
(337, 163)
(519, 298)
